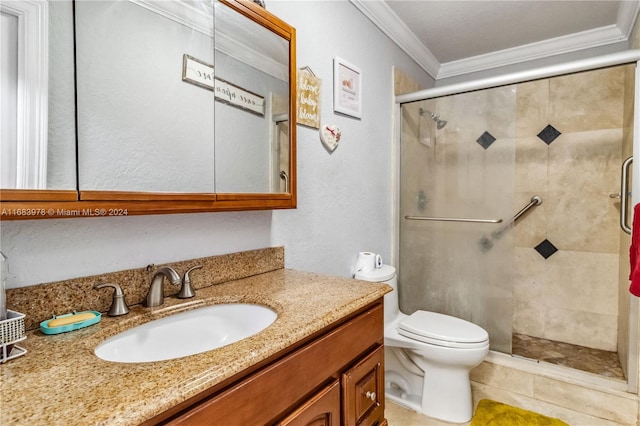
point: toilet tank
(385, 274)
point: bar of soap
(71, 319)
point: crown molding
(388, 22)
(532, 51)
(627, 16)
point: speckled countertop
(61, 382)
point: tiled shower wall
(567, 289)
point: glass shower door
(458, 162)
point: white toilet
(428, 356)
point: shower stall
(509, 211)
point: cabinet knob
(371, 395)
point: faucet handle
(118, 304)
(186, 291)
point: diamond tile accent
(485, 140)
(546, 249)
(549, 134)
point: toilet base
(453, 405)
(446, 395)
(398, 396)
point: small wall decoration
(330, 136)
(196, 72)
(308, 102)
(239, 97)
(347, 88)
(201, 74)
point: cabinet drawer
(323, 409)
(363, 391)
(268, 394)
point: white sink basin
(187, 333)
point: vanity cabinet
(334, 377)
(363, 389)
(323, 409)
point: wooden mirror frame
(17, 204)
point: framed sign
(238, 97)
(197, 72)
(347, 88)
(309, 90)
(201, 74)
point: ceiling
(454, 37)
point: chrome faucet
(155, 296)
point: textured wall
(344, 198)
(345, 202)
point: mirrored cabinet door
(141, 126)
(252, 105)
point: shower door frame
(621, 58)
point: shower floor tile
(595, 361)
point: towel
(634, 253)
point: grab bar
(453, 219)
(624, 195)
(536, 200)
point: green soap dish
(44, 325)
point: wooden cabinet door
(323, 409)
(363, 391)
(273, 391)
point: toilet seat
(443, 330)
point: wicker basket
(11, 332)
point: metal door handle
(624, 197)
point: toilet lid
(433, 327)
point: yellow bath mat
(492, 413)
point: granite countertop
(60, 381)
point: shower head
(435, 117)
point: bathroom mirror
(181, 107)
(37, 142)
(141, 128)
(164, 108)
(252, 108)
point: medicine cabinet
(148, 107)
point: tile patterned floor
(595, 361)
(398, 415)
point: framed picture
(347, 88)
